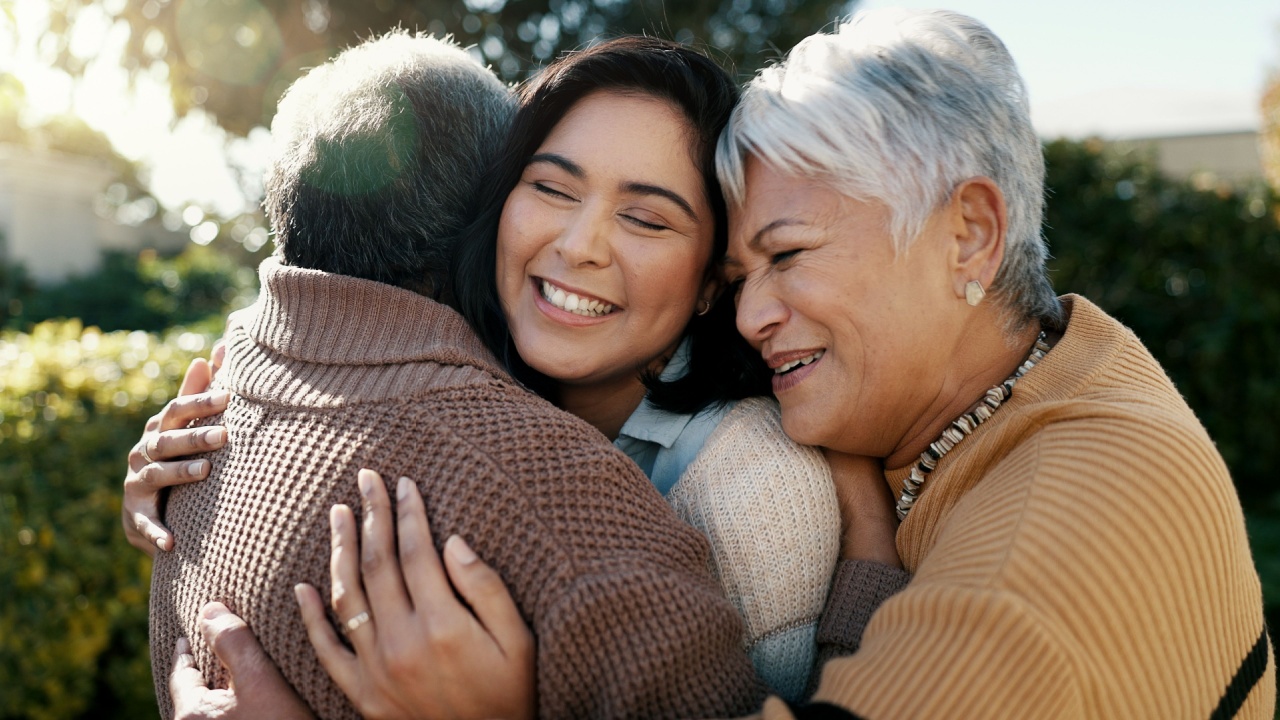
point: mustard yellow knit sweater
(1080, 555)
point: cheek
(517, 244)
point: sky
(1132, 68)
(1112, 68)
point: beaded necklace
(963, 426)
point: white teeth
(570, 302)
(788, 367)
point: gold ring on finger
(350, 626)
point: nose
(760, 313)
(585, 242)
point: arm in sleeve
(858, 589)
(651, 642)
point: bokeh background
(131, 142)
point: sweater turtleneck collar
(329, 319)
(1089, 344)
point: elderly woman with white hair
(1077, 545)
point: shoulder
(751, 435)
(749, 462)
(768, 507)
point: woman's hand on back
(866, 509)
(419, 652)
(156, 461)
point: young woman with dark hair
(592, 270)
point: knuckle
(340, 597)
(146, 476)
(444, 637)
(410, 550)
(372, 560)
(400, 663)
(230, 639)
(486, 582)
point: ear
(978, 220)
(712, 286)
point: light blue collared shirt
(663, 443)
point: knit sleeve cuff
(858, 589)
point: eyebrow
(634, 188)
(754, 242)
(645, 189)
(561, 162)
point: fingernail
(402, 488)
(163, 544)
(337, 519)
(196, 467)
(297, 593)
(216, 436)
(213, 611)
(219, 398)
(365, 479)
(461, 552)
(183, 646)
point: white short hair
(901, 106)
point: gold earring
(973, 293)
(704, 310)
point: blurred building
(1207, 158)
(52, 216)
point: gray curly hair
(376, 155)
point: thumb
(197, 378)
(482, 588)
(233, 643)
(218, 355)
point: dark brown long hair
(722, 366)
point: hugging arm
(654, 642)
(418, 651)
(257, 687)
(869, 571)
(157, 460)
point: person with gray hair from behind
(349, 366)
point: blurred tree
(1270, 132)
(234, 58)
(12, 98)
(1193, 272)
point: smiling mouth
(785, 368)
(571, 302)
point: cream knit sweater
(769, 508)
(1081, 555)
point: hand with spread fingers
(257, 689)
(419, 652)
(159, 460)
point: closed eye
(782, 257)
(646, 225)
(735, 288)
(550, 191)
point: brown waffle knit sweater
(331, 374)
(1081, 555)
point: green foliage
(1193, 272)
(143, 292)
(234, 58)
(73, 621)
